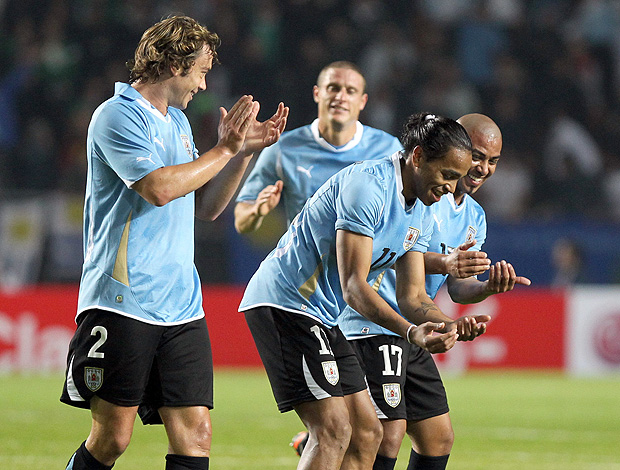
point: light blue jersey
(301, 274)
(303, 160)
(453, 226)
(138, 258)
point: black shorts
(128, 362)
(403, 379)
(304, 359)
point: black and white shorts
(128, 362)
(403, 379)
(304, 359)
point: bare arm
(502, 278)
(171, 182)
(354, 254)
(417, 306)
(460, 263)
(249, 215)
(212, 198)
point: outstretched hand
(470, 327)
(234, 124)
(422, 335)
(502, 278)
(264, 134)
(462, 263)
(268, 198)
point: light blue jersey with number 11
(301, 274)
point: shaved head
(486, 141)
(481, 127)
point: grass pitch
(502, 421)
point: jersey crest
(411, 237)
(471, 234)
(392, 395)
(330, 370)
(187, 145)
(93, 377)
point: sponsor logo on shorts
(391, 393)
(330, 369)
(93, 376)
(411, 237)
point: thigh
(383, 359)
(106, 360)
(305, 361)
(182, 374)
(424, 390)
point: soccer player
(141, 344)
(406, 387)
(303, 159)
(365, 219)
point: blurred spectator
(547, 71)
(567, 261)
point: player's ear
(416, 156)
(315, 93)
(364, 101)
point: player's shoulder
(378, 134)
(295, 135)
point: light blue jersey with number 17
(301, 274)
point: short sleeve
(263, 174)
(121, 140)
(360, 203)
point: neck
(458, 197)
(337, 135)
(154, 93)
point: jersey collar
(359, 130)
(127, 91)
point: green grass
(502, 421)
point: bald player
(404, 382)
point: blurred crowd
(548, 71)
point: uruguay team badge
(411, 238)
(391, 393)
(93, 376)
(471, 233)
(330, 370)
(187, 144)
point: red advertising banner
(528, 329)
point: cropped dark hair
(176, 41)
(435, 134)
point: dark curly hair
(435, 134)
(176, 41)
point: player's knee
(367, 436)
(108, 448)
(437, 443)
(204, 433)
(390, 445)
(336, 433)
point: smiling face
(432, 179)
(487, 146)
(183, 87)
(340, 97)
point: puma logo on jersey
(160, 142)
(141, 159)
(439, 222)
(305, 171)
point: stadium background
(548, 71)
